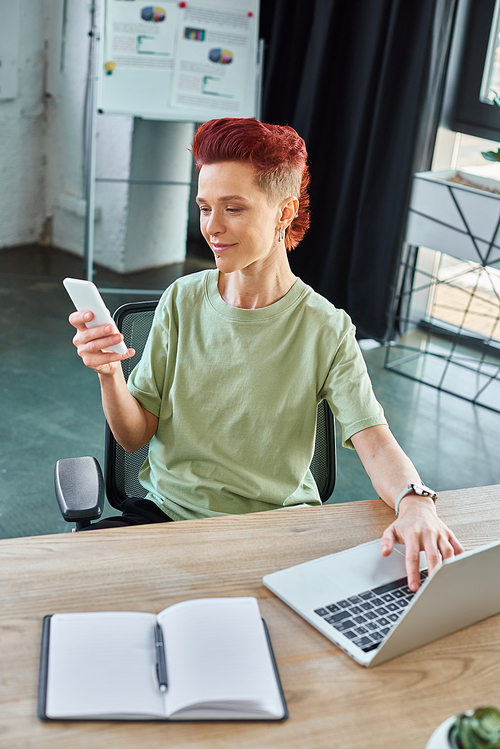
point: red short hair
(276, 152)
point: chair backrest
(134, 320)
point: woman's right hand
(92, 344)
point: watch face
(424, 491)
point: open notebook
(218, 664)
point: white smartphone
(86, 298)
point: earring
(282, 234)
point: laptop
(360, 600)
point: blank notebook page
(103, 663)
(221, 655)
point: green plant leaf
(476, 730)
(491, 155)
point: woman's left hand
(419, 528)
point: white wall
(22, 132)
(42, 155)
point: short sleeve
(349, 391)
(147, 380)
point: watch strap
(419, 489)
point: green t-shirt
(236, 392)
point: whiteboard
(186, 61)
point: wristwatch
(420, 489)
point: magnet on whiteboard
(109, 67)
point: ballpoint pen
(161, 666)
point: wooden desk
(333, 702)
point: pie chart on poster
(222, 56)
(153, 13)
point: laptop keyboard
(367, 618)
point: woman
(239, 357)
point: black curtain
(362, 82)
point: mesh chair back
(324, 463)
(134, 320)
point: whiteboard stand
(260, 77)
(91, 179)
(90, 142)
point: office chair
(79, 482)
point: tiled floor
(50, 404)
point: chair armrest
(79, 488)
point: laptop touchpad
(363, 567)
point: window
(490, 84)
(477, 69)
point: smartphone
(86, 298)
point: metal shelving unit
(455, 345)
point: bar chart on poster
(186, 61)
